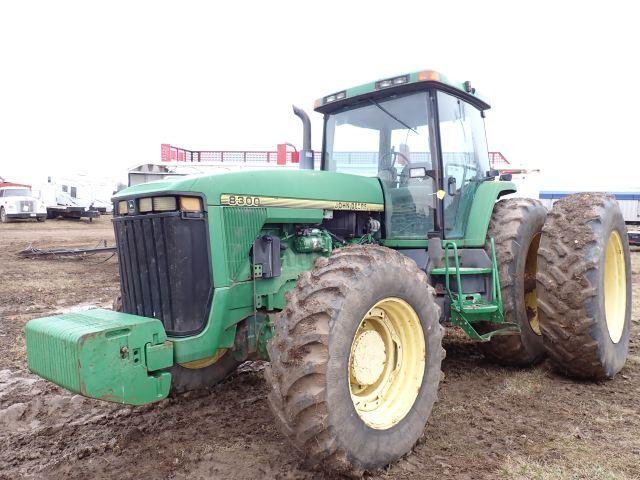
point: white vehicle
(18, 201)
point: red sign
(165, 152)
(282, 154)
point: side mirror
(451, 186)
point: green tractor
(344, 278)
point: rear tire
(516, 225)
(324, 360)
(213, 370)
(584, 286)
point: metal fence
(176, 154)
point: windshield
(17, 192)
(389, 140)
(377, 138)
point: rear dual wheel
(584, 286)
(516, 227)
(355, 359)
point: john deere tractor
(344, 277)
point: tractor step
(470, 308)
(473, 303)
(102, 354)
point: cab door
(465, 159)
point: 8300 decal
(240, 200)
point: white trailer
(78, 196)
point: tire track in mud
(222, 432)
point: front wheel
(355, 359)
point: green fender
(481, 209)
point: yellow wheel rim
(205, 362)
(615, 287)
(530, 295)
(386, 363)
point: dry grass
(523, 382)
(519, 468)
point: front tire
(355, 359)
(584, 286)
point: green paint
(480, 213)
(241, 227)
(102, 354)
(300, 184)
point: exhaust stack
(306, 154)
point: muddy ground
(490, 422)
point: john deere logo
(132, 206)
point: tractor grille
(165, 269)
(27, 206)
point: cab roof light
(391, 82)
(429, 75)
(335, 96)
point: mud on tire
(584, 297)
(515, 226)
(310, 356)
(185, 379)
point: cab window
(464, 157)
(390, 140)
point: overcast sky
(98, 86)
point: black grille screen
(165, 271)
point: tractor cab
(423, 138)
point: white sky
(98, 86)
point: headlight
(190, 204)
(122, 207)
(164, 204)
(145, 205)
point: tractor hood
(285, 188)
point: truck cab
(19, 202)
